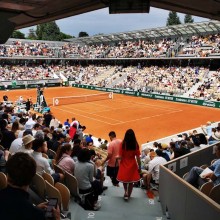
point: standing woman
(130, 165)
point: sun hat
(164, 146)
(27, 139)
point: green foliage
(48, 31)
(32, 34)
(173, 19)
(65, 36)
(18, 35)
(83, 34)
(188, 19)
(40, 30)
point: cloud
(100, 21)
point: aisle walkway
(139, 207)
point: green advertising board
(212, 104)
(30, 86)
(16, 86)
(52, 84)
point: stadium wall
(179, 198)
(212, 104)
(28, 84)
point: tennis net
(66, 100)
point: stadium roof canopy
(16, 14)
(202, 28)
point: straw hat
(27, 139)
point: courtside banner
(200, 102)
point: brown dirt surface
(150, 119)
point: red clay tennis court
(150, 119)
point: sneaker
(97, 206)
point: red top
(128, 169)
(72, 132)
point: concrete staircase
(113, 206)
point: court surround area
(150, 119)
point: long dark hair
(62, 149)
(130, 141)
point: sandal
(125, 197)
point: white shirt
(42, 163)
(24, 150)
(29, 124)
(15, 145)
(54, 123)
(75, 122)
(154, 167)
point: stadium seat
(38, 185)
(65, 195)
(206, 188)
(49, 178)
(215, 193)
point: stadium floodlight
(129, 6)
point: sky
(100, 21)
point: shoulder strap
(61, 159)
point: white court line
(92, 114)
(124, 122)
(153, 106)
(108, 109)
(84, 116)
(134, 105)
(149, 117)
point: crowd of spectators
(173, 80)
(28, 72)
(210, 88)
(176, 147)
(26, 49)
(143, 48)
(34, 135)
(200, 46)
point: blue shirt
(66, 123)
(216, 169)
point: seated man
(15, 203)
(194, 178)
(145, 160)
(153, 169)
(40, 146)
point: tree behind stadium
(18, 35)
(173, 19)
(188, 19)
(83, 34)
(48, 31)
